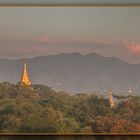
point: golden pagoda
(111, 102)
(25, 79)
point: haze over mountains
(75, 72)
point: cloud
(132, 46)
(75, 41)
(43, 38)
(105, 42)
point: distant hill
(75, 72)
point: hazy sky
(33, 31)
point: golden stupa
(112, 105)
(25, 79)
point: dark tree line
(40, 109)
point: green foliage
(40, 109)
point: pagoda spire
(111, 102)
(25, 79)
(129, 90)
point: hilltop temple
(25, 79)
(111, 102)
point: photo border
(70, 4)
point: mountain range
(74, 72)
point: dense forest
(39, 108)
